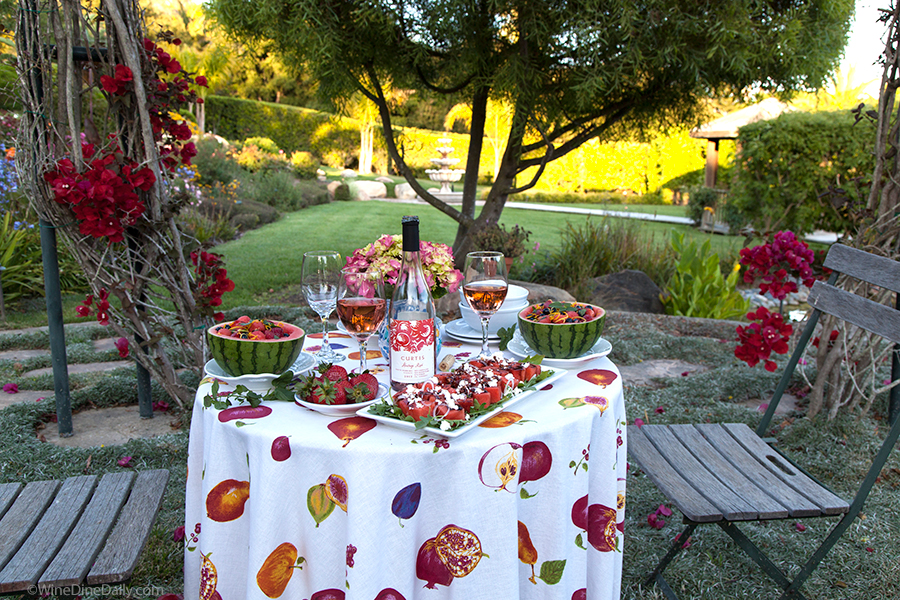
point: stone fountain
(445, 175)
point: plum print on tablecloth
(276, 571)
(225, 502)
(318, 503)
(453, 552)
(551, 570)
(350, 428)
(281, 448)
(406, 502)
(499, 466)
(601, 377)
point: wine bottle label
(412, 350)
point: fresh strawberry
(333, 372)
(369, 380)
(340, 392)
(317, 390)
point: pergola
(726, 128)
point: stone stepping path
(20, 355)
(24, 396)
(650, 371)
(83, 368)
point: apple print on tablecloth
(551, 570)
(406, 502)
(600, 523)
(453, 552)
(277, 569)
(499, 466)
(601, 377)
(350, 428)
(225, 502)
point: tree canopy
(570, 70)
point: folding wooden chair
(727, 474)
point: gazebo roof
(726, 128)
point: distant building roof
(726, 128)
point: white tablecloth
(260, 525)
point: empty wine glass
(484, 288)
(361, 306)
(319, 279)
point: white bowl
(515, 295)
(506, 316)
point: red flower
(125, 461)
(178, 534)
(201, 81)
(122, 347)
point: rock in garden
(363, 190)
(404, 191)
(348, 173)
(631, 291)
(540, 293)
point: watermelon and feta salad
(450, 400)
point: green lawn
(270, 257)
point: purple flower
(125, 461)
(11, 388)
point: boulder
(384, 179)
(365, 189)
(350, 173)
(630, 291)
(404, 191)
(540, 293)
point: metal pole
(57, 333)
(894, 403)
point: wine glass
(320, 274)
(484, 288)
(361, 305)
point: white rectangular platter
(499, 407)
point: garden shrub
(213, 163)
(263, 143)
(342, 193)
(263, 212)
(786, 164)
(277, 189)
(245, 221)
(699, 199)
(305, 164)
(251, 158)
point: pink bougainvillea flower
(11, 388)
(687, 542)
(125, 461)
(161, 406)
(122, 347)
(171, 597)
(639, 423)
(664, 511)
(870, 549)
(800, 527)
(660, 410)
(654, 521)
(178, 534)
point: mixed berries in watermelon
(248, 346)
(561, 329)
(474, 385)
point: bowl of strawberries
(332, 390)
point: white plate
(342, 410)
(263, 381)
(519, 348)
(459, 330)
(499, 407)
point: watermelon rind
(561, 340)
(239, 357)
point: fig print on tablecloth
(281, 448)
(601, 377)
(499, 466)
(244, 412)
(319, 504)
(225, 502)
(600, 402)
(209, 578)
(502, 419)
(406, 502)
(389, 594)
(276, 571)
(350, 428)
(337, 491)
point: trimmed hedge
(785, 164)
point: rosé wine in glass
(361, 306)
(485, 288)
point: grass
(863, 565)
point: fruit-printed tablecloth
(284, 502)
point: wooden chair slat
(24, 569)
(688, 500)
(879, 270)
(21, 518)
(720, 438)
(8, 494)
(733, 478)
(123, 548)
(829, 503)
(74, 560)
(732, 506)
(860, 311)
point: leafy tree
(571, 70)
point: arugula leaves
(282, 390)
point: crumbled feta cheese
(445, 426)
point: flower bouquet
(386, 254)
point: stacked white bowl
(516, 300)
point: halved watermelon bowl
(241, 347)
(561, 330)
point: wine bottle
(411, 317)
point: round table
(295, 504)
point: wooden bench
(78, 531)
